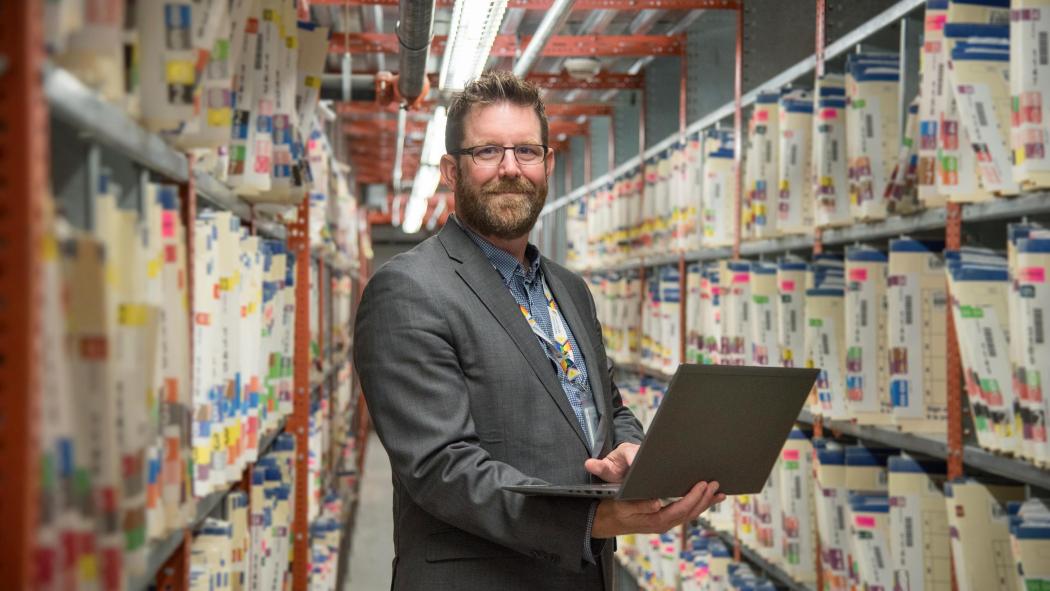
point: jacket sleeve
(626, 427)
(416, 395)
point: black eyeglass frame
(470, 151)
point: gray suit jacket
(465, 402)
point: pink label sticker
(741, 278)
(936, 22)
(829, 113)
(864, 521)
(1032, 274)
(761, 116)
(167, 224)
(791, 455)
(858, 274)
(787, 285)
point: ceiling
(370, 128)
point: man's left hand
(613, 467)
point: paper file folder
(830, 173)
(795, 151)
(765, 324)
(831, 498)
(796, 503)
(919, 545)
(917, 307)
(867, 388)
(1030, 92)
(791, 303)
(980, 535)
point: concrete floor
(372, 547)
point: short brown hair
(498, 86)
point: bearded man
(483, 366)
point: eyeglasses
(525, 154)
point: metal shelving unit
(948, 220)
(774, 572)
(107, 125)
(847, 42)
(1026, 204)
(161, 550)
(104, 124)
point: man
(483, 366)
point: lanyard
(560, 349)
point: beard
(502, 208)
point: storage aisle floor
(373, 542)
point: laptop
(716, 422)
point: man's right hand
(617, 518)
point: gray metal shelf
(219, 196)
(935, 446)
(774, 572)
(82, 108)
(640, 369)
(73, 102)
(161, 550)
(1026, 204)
(329, 373)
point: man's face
(501, 201)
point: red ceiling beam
(372, 107)
(508, 45)
(578, 5)
(578, 109)
(381, 126)
(553, 109)
(603, 81)
(557, 128)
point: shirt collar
(503, 261)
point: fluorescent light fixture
(438, 210)
(428, 177)
(434, 142)
(325, 107)
(470, 37)
(423, 188)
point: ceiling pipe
(551, 23)
(415, 28)
(362, 87)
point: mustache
(518, 185)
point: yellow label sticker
(132, 315)
(180, 72)
(88, 568)
(49, 248)
(202, 455)
(219, 117)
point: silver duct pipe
(361, 86)
(551, 23)
(414, 31)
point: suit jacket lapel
(595, 374)
(478, 273)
